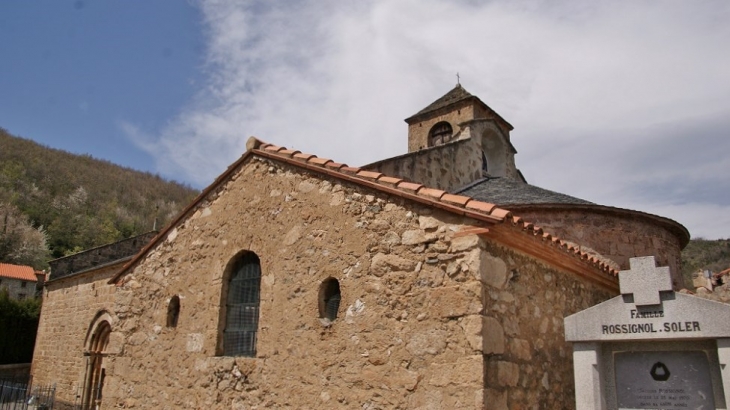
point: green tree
(18, 328)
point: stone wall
(617, 237)
(447, 167)
(528, 363)
(424, 317)
(69, 307)
(418, 131)
(99, 256)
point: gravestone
(651, 347)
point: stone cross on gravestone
(644, 280)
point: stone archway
(95, 349)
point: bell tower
(458, 116)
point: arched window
(242, 306)
(173, 311)
(329, 299)
(441, 133)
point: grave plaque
(663, 380)
(651, 347)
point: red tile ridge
(350, 170)
(334, 165)
(319, 161)
(480, 206)
(389, 180)
(289, 152)
(456, 199)
(409, 186)
(501, 213)
(369, 174)
(273, 148)
(431, 192)
(303, 157)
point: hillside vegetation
(54, 203)
(713, 255)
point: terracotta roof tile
(272, 148)
(431, 192)
(303, 157)
(350, 170)
(456, 199)
(319, 161)
(334, 165)
(485, 207)
(19, 272)
(289, 152)
(500, 213)
(389, 180)
(410, 186)
(369, 174)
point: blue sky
(73, 71)
(621, 103)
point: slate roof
(17, 272)
(509, 228)
(456, 94)
(504, 191)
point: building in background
(21, 282)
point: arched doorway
(95, 351)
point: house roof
(501, 225)
(17, 272)
(455, 95)
(505, 191)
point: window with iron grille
(329, 299)
(242, 307)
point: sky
(625, 104)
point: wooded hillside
(713, 255)
(54, 203)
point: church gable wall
(408, 329)
(69, 307)
(445, 167)
(420, 324)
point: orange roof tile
(462, 205)
(17, 272)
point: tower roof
(455, 95)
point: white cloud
(612, 101)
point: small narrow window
(173, 311)
(23, 284)
(485, 167)
(329, 299)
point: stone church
(293, 281)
